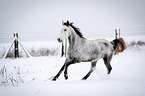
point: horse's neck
(74, 39)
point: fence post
(116, 33)
(16, 48)
(119, 33)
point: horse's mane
(77, 30)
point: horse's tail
(118, 45)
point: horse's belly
(90, 57)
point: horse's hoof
(54, 79)
(66, 77)
(109, 70)
(83, 78)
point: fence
(16, 44)
(51, 35)
(45, 36)
(28, 36)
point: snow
(33, 75)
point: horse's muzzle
(59, 40)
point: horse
(83, 50)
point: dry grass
(136, 46)
(39, 52)
(136, 43)
(8, 79)
(43, 52)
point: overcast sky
(35, 16)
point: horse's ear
(67, 22)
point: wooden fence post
(116, 33)
(119, 33)
(16, 42)
(16, 48)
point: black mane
(77, 30)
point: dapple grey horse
(82, 50)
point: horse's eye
(65, 29)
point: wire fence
(49, 36)
(28, 36)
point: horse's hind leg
(107, 60)
(93, 66)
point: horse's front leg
(58, 74)
(72, 61)
(66, 64)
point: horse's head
(65, 32)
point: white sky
(36, 16)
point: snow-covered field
(31, 76)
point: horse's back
(105, 46)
